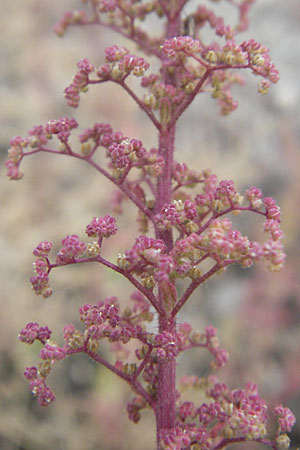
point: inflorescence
(190, 215)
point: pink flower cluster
(61, 128)
(216, 238)
(72, 248)
(33, 332)
(168, 346)
(147, 258)
(37, 137)
(69, 18)
(69, 253)
(124, 63)
(239, 414)
(98, 314)
(177, 213)
(226, 246)
(176, 439)
(12, 168)
(15, 155)
(185, 44)
(102, 227)
(42, 249)
(217, 60)
(259, 60)
(120, 64)
(124, 153)
(226, 194)
(107, 6)
(118, 11)
(250, 54)
(40, 284)
(98, 131)
(163, 97)
(79, 83)
(103, 320)
(73, 337)
(184, 176)
(38, 386)
(187, 339)
(286, 418)
(134, 407)
(51, 351)
(205, 15)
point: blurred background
(257, 313)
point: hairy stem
(166, 396)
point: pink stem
(90, 161)
(146, 292)
(194, 284)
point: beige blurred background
(258, 313)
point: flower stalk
(183, 217)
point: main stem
(165, 404)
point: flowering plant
(190, 237)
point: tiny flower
(283, 442)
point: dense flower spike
(193, 235)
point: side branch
(143, 363)
(189, 99)
(146, 292)
(100, 169)
(147, 110)
(194, 284)
(225, 442)
(132, 37)
(133, 383)
(121, 82)
(227, 211)
(122, 187)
